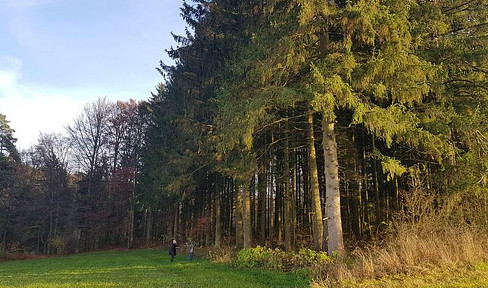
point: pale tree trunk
(333, 197)
(246, 216)
(238, 218)
(316, 217)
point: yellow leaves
(323, 102)
(331, 91)
(358, 114)
(395, 75)
(310, 10)
(247, 138)
(397, 124)
(373, 23)
(379, 90)
(390, 166)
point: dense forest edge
(349, 137)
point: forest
(283, 123)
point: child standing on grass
(189, 250)
(172, 250)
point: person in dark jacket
(172, 250)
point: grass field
(141, 268)
(152, 268)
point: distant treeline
(282, 123)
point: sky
(56, 56)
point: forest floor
(152, 268)
(138, 268)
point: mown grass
(141, 268)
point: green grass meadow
(141, 268)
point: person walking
(172, 250)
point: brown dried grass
(450, 233)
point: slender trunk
(288, 193)
(175, 225)
(231, 203)
(333, 196)
(218, 224)
(238, 218)
(366, 203)
(293, 200)
(246, 216)
(376, 187)
(130, 242)
(208, 222)
(148, 226)
(278, 220)
(262, 203)
(270, 198)
(396, 201)
(130, 239)
(358, 206)
(316, 216)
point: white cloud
(31, 109)
(9, 72)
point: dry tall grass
(431, 234)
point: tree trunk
(262, 203)
(376, 187)
(208, 222)
(333, 196)
(238, 218)
(148, 226)
(130, 239)
(218, 224)
(246, 216)
(316, 217)
(288, 193)
(177, 214)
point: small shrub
(307, 258)
(276, 259)
(14, 248)
(58, 244)
(221, 255)
(255, 257)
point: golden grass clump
(450, 232)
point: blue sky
(58, 55)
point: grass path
(142, 268)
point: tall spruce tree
(361, 56)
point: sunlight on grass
(79, 284)
(133, 269)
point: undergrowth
(432, 233)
